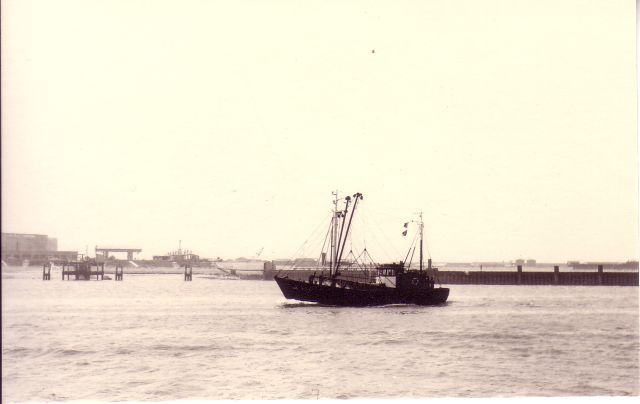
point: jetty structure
(81, 270)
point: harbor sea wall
(538, 278)
(595, 278)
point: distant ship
(392, 283)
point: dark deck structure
(82, 270)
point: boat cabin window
(390, 269)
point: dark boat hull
(367, 295)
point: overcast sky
(227, 124)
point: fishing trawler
(337, 284)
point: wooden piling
(67, 270)
(600, 274)
(188, 272)
(519, 275)
(119, 272)
(83, 270)
(556, 274)
(46, 272)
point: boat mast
(343, 216)
(334, 225)
(356, 197)
(421, 230)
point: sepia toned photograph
(319, 200)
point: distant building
(14, 242)
(52, 244)
(531, 263)
(34, 248)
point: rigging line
(364, 233)
(424, 238)
(312, 247)
(355, 259)
(426, 243)
(350, 254)
(415, 240)
(326, 237)
(362, 253)
(375, 238)
(395, 217)
(396, 253)
(381, 247)
(365, 253)
(412, 245)
(300, 261)
(292, 257)
(353, 240)
(357, 229)
(370, 257)
(411, 259)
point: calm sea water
(156, 337)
